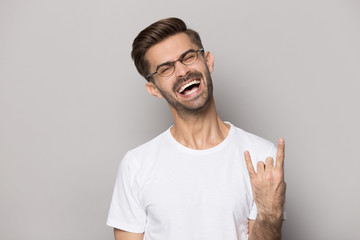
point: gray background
(72, 103)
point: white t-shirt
(172, 192)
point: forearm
(266, 228)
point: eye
(165, 70)
(189, 58)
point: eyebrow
(170, 62)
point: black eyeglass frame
(172, 63)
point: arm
(250, 227)
(262, 230)
(268, 187)
(123, 235)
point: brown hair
(154, 34)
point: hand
(268, 184)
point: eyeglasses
(187, 58)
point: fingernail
(281, 141)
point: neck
(199, 131)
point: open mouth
(189, 88)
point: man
(197, 179)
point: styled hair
(154, 34)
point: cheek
(206, 70)
(165, 86)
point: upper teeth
(188, 84)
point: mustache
(181, 80)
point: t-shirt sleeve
(262, 157)
(126, 212)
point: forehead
(169, 49)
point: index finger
(249, 164)
(280, 154)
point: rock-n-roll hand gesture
(268, 188)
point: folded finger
(269, 162)
(260, 167)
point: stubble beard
(184, 110)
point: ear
(152, 89)
(209, 61)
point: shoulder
(255, 144)
(141, 156)
(250, 137)
(151, 147)
(138, 163)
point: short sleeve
(253, 211)
(126, 212)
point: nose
(181, 69)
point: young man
(197, 179)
